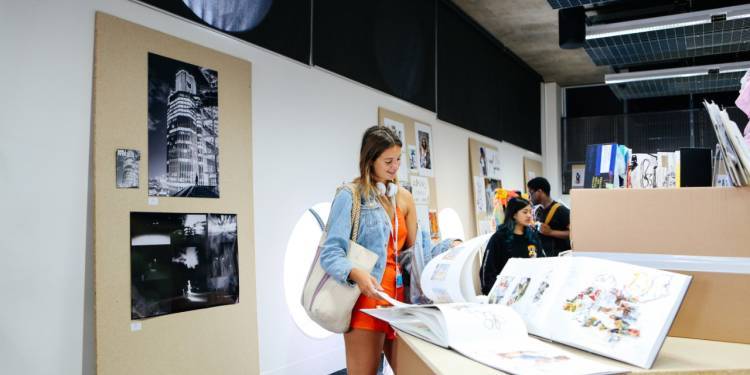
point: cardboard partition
(699, 221)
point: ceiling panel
(558, 4)
(722, 37)
(678, 86)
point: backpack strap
(551, 213)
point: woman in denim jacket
(384, 229)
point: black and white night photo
(183, 129)
(181, 262)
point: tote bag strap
(356, 208)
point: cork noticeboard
(215, 340)
(531, 169)
(417, 166)
(485, 179)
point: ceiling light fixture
(667, 22)
(693, 71)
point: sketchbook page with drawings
(614, 309)
(494, 335)
(453, 276)
(530, 289)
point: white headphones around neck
(390, 192)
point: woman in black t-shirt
(513, 239)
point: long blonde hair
(375, 140)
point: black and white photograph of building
(181, 262)
(127, 165)
(183, 129)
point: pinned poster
(423, 216)
(420, 190)
(413, 159)
(577, 175)
(398, 128)
(480, 203)
(434, 226)
(489, 163)
(424, 148)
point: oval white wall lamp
(300, 252)
(450, 224)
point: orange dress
(361, 320)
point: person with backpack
(387, 225)
(553, 217)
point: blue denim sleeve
(336, 245)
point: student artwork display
(183, 129)
(486, 186)
(398, 128)
(181, 262)
(609, 308)
(420, 190)
(577, 175)
(434, 226)
(424, 149)
(156, 98)
(489, 162)
(416, 171)
(127, 167)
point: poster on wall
(494, 207)
(420, 190)
(398, 128)
(183, 129)
(577, 175)
(181, 262)
(423, 217)
(413, 159)
(424, 149)
(127, 166)
(489, 163)
(480, 201)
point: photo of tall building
(183, 123)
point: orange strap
(551, 213)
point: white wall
(307, 125)
(551, 138)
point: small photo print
(127, 166)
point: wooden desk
(677, 356)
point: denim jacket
(374, 231)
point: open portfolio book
(613, 309)
(494, 335)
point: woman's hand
(368, 285)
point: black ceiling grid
(284, 29)
(678, 86)
(388, 45)
(559, 4)
(722, 37)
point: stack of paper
(734, 150)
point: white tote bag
(326, 301)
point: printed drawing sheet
(453, 275)
(610, 308)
